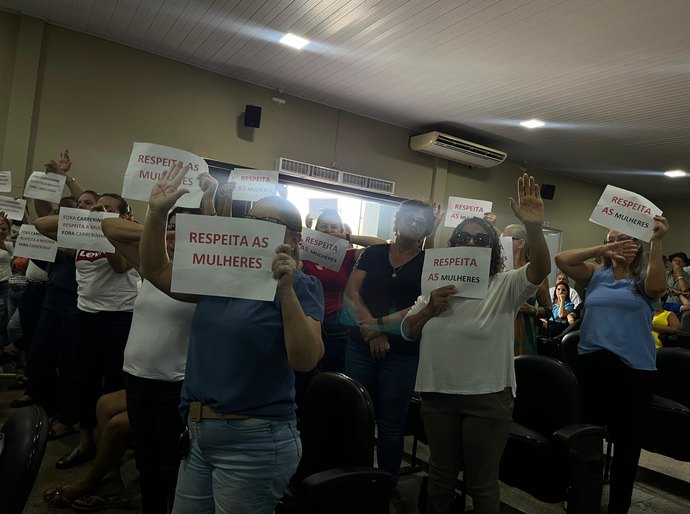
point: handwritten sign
(507, 252)
(253, 185)
(81, 229)
(147, 163)
(13, 208)
(45, 186)
(225, 256)
(625, 212)
(5, 181)
(34, 245)
(462, 208)
(323, 249)
(465, 267)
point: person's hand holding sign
(165, 193)
(284, 267)
(438, 300)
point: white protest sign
(318, 205)
(5, 181)
(147, 163)
(81, 229)
(465, 267)
(507, 252)
(13, 208)
(225, 256)
(45, 186)
(323, 249)
(463, 208)
(625, 212)
(34, 245)
(253, 185)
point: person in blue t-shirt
(238, 392)
(617, 357)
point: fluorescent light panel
(675, 173)
(530, 124)
(297, 42)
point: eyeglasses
(463, 238)
(271, 219)
(516, 238)
(411, 220)
(171, 227)
(619, 239)
(333, 227)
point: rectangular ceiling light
(532, 124)
(290, 39)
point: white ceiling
(610, 77)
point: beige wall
(97, 97)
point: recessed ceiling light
(290, 39)
(532, 124)
(675, 173)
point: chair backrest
(569, 347)
(25, 438)
(337, 425)
(673, 377)
(685, 324)
(548, 396)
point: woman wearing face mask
(466, 374)
(617, 358)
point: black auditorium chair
(550, 453)
(569, 344)
(24, 439)
(667, 428)
(336, 473)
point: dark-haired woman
(333, 282)
(382, 287)
(563, 309)
(617, 358)
(466, 373)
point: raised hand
(439, 300)
(622, 251)
(208, 184)
(61, 166)
(284, 266)
(165, 192)
(660, 228)
(529, 208)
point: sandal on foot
(55, 497)
(93, 503)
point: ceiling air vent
(333, 176)
(456, 149)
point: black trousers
(100, 343)
(156, 426)
(619, 398)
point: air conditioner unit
(456, 149)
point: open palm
(166, 191)
(529, 207)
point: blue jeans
(236, 466)
(390, 383)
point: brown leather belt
(199, 411)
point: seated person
(563, 308)
(563, 278)
(677, 308)
(677, 279)
(664, 322)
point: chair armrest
(322, 482)
(579, 430)
(663, 404)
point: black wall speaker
(252, 116)
(547, 191)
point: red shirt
(333, 282)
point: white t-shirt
(5, 259)
(159, 336)
(100, 288)
(468, 348)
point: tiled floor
(663, 485)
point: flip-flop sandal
(93, 503)
(55, 497)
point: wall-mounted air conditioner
(456, 149)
